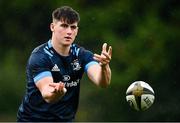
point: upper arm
(39, 69)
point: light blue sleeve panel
(89, 64)
(42, 75)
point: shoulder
(39, 55)
(84, 55)
(39, 48)
(79, 50)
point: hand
(105, 56)
(59, 88)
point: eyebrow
(68, 24)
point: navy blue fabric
(45, 61)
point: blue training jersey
(45, 61)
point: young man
(54, 71)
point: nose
(69, 31)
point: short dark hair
(66, 14)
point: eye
(73, 27)
(64, 25)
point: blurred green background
(145, 37)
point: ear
(52, 27)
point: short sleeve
(39, 66)
(87, 57)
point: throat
(61, 49)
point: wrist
(104, 66)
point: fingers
(105, 56)
(52, 84)
(58, 87)
(110, 51)
(104, 50)
(64, 90)
(102, 59)
(104, 47)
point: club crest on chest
(76, 65)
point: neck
(61, 49)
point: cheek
(59, 31)
(75, 33)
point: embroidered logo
(55, 68)
(66, 78)
(76, 66)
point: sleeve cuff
(89, 64)
(42, 75)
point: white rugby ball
(140, 95)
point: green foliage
(145, 40)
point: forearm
(104, 77)
(50, 91)
(101, 74)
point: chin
(67, 43)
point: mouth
(68, 38)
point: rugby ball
(140, 95)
